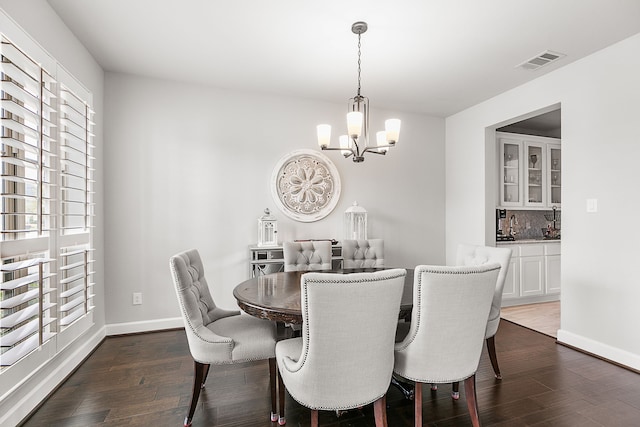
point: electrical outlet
(137, 298)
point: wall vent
(541, 60)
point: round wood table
(276, 296)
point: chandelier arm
(374, 150)
(350, 153)
(355, 144)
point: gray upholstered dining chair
(363, 253)
(331, 367)
(307, 256)
(217, 336)
(451, 306)
(479, 255)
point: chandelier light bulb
(392, 128)
(345, 144)
(354, 123)
(324, 135)
(381, 141)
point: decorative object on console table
(355, 223)
(267, 229)
(270, 259)
(305, 185)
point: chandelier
(356, 142)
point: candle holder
(355, 222)
(267, 229)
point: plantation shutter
(27, 136)
(27, 292)
(46, 265)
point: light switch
(592, 205)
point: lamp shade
(354, 123)
(324, 135)
(381, 141)
(345, 144)
(392, 128)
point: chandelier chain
(359, 63)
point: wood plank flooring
(542, 317)
(146, 380)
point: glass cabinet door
(510, 159)
(554, 177)
(535, 178)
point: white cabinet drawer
(532, 250)
(552, 249)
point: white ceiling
(431, 56)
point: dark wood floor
(146, 380)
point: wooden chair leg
(200, 370)
(417, 404)
(272, 384)
(380, 411)
(314, 418)
(455, 390)
(281, 420)
(472, 401)
(491, 347)
(206, 374)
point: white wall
(600, 99)
(189, 166)
(28, 386)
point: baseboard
(598, 349)
(144, 326)
(511, 302)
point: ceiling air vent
(541, 60)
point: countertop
(527, 241)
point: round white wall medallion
(305, 185)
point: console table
(270, 259)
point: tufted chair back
(331, 366)
(479, 255)
(363, 253)
(307, 256)
(450, 310)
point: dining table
(276, 296)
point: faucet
(512, 221)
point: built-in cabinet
(529, 172)
(554, 175)
(534, 273)
(552, 269)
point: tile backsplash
(529, 224)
